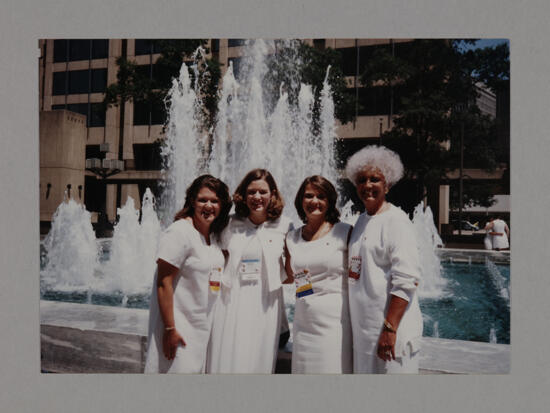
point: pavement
(84, 338)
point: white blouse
(383, 261)
(196, 289)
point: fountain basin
(473, 303)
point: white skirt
(322, 341)
(245, 333)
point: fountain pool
(474, 305)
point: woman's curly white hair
(373, 156)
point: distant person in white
(187, 281)
(247, 318)
(500, 233)
(316, 260)
(488, 240)
(384, 270)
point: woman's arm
(171, 338)
(288, 268)
(405, 278)
(386, 342)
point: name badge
(355, 268)
(214, 279)
(250, 269)
(303, 283)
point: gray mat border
(23, 22)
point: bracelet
(169, 328)
(389, 327)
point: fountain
(246, 135)
(72, 253)
(252, 129)
(73, 265)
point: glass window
(146, 46)
(349, 60)
(147, 157)
(79, 49)
(81, 108)
(141, 113)
(78, 81)
(236, 42)
(97, 115)
(158, 114)
(100, 48)
(99, 80)
(59, 86)
(319, 43)
(163, 75)
(215, 45)
(159, 73)
(60, 51)
(92, 151)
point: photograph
(304, 206)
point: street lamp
(104, 168)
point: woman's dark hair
(276, 203)
(323, 185)
(221, 191)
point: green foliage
(434, 84)
(135, 84)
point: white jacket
(271, 235)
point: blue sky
(487, 43)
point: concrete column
(444, 192)
(62, 158)
(111, 202)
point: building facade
(74, 75)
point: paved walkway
(90, 338)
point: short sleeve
(174, 244)
(405, 264)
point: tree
(134, 84)
(434, 85)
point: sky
(487, 43)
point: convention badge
(250, 269)
(303, 283)
(355, 268)
(214, 279)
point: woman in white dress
(187, 281)
(317, 256)
(500, 233)
(488, 240)
(384, 270)
(248, 317)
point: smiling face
(314, 203)
(258, 196)
(207, 207)
(372, 189)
